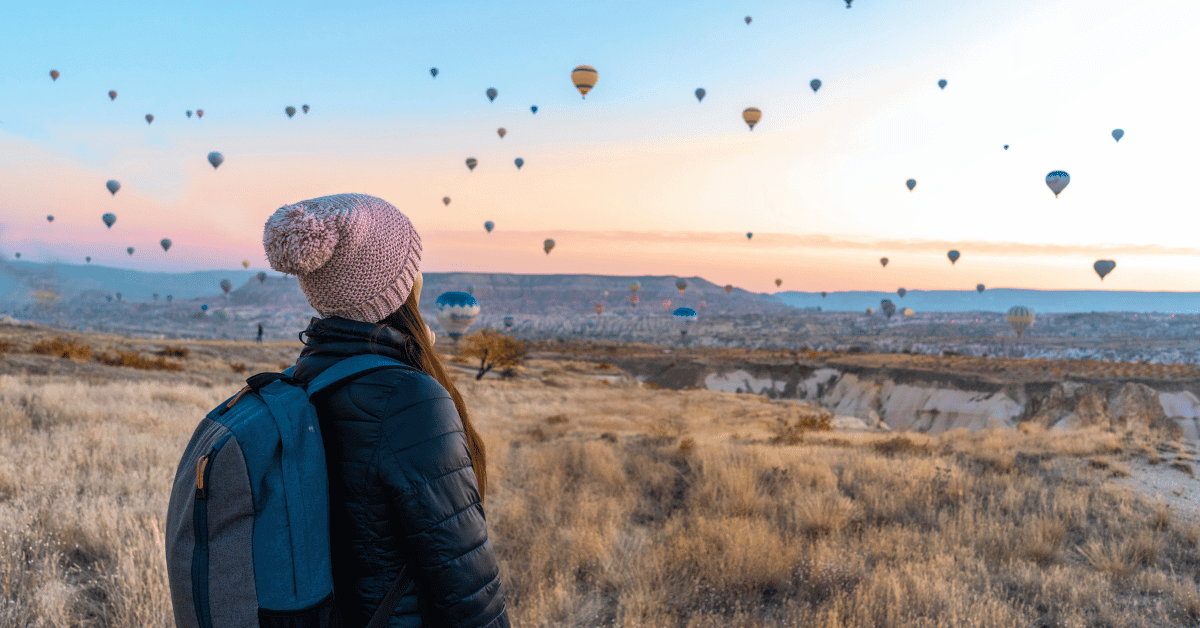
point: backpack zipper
(200, 524)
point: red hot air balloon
(112, 94)
(199, 113)
(54, 74)
(149, 118)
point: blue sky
(639, 156)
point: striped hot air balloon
(1020, 318)
(457, 311)
(584, 77)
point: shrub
(5, 346)
(791, 431)
(237, 367)
(493, 349)
(63, 348)
(173, 352)
(557, 419)
(604, 365)
(135, 360)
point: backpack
(247, 530)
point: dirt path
(1172, 480)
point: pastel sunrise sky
(638, 178)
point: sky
(638, 178)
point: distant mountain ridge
(1000, 299)
(22, 282)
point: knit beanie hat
(356, 256)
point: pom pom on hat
(299, 241)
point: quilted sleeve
(435, 508)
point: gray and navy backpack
(248, 523)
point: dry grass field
(615, 503)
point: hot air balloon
(149, 118)
(980, 288)
(666, 305)
(520, 162)
(154, 296)
(508, 323)
(749, 235)
(200, 113)
(751, 115)
(823, 294)
(908, 311)
(815, 84)
(54, 74)
(681, 284)
(112, 94)
(778, 282)
(599, 308)
(633, 300)
(113, 185)
(1118, 134)
(1020, 318)
(165, 243)
(848, 3)
(17, 255)
(129, 250)
(189, 113)
(501, 132)
(109, 219)
(305, 109)
(1103, 267)
(289, 110)
(262, 276)
(471, 163)
(492, 93)
(1057, 181)
(747, 20)
(870, 311)
(942, 83)
(953, 255)
(911, 183)
(445, 200)
(457, 311)
(245, 263)
(226, 285)
(700, 94)
(88, 259)
(685, 317)
(204, 308)
(901, 292)
(1006, 147)
(216, 159)
(728, 288)
(169, 297)
(489, 225)
(118, 296)
(533, 108)
(888, 307)
(547, 245)
(49, 218)
(584, 77)
(883, 262)
(433, 72)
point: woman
(407, 471)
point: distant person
(402, 492)
(260, 329)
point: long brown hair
(420, 354)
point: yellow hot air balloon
(751, 115)
(1020, 318)
(584, 77)
(245, 263)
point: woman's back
(402, 489)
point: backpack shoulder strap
(352, 368)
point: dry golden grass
(135, 360)
(616, 504)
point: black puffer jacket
(402, 489)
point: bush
(135, 360)
(791, 431)
(237, 367)
(5, 346)
(63, 348)
(493, 349)
(173, 352)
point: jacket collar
(332, 339)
